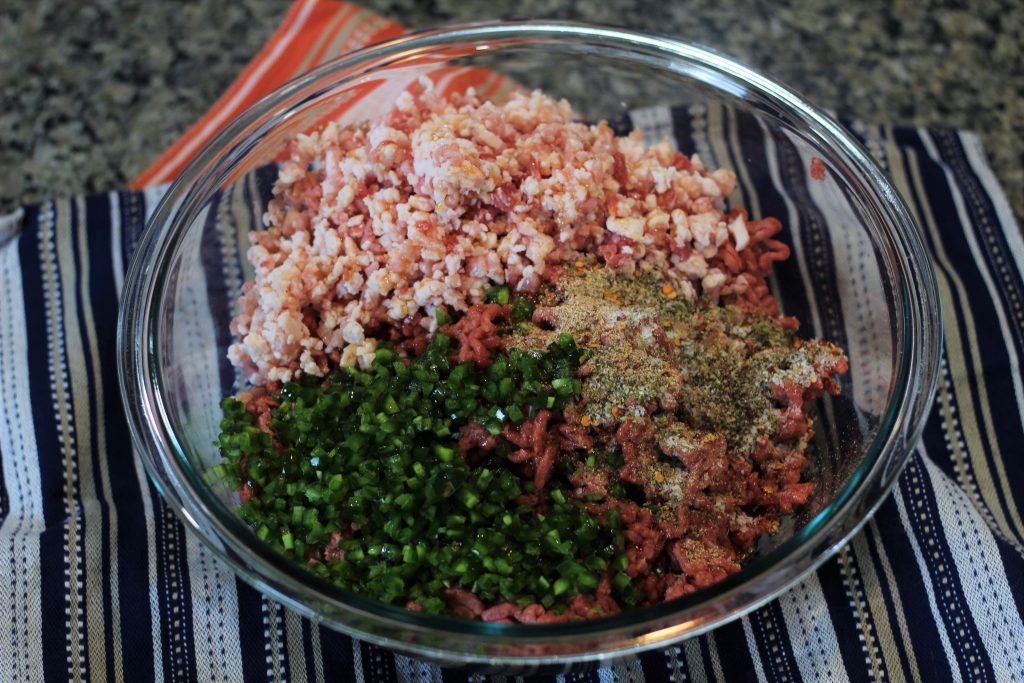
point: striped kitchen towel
(101, 582)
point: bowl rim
(164, 459)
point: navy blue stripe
(336, 649)
(622, 125)
(266, 177)
(174, 593)
(844, 619)
(768, 627)
(817, 245)
(96, 209)
(4, 496)
(51, 469)
(992, 348)
(913, 596)
(5, 507)
(791, 292)
(853, 129)
(378, 663)
(220, 292)
(922, 509)
(466, 674)
(133, 216)
(454, 674)
(748, 138)
(733, 653)
(655, 666)
(53, 595)
(682, 130)
(137, 629)
(985, 220)
(874, 547)
(251, 633)
(133, 567)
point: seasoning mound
(508, 366)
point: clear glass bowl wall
(858, 276)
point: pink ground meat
(384, 223)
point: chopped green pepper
(368, 465)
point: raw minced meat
(387, 222)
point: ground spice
(653, 352)
(710, 396)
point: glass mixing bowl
(859, 276)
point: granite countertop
(93, 91)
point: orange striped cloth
(313, 32)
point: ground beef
(411, 336)
(537, 447)
(588, 606)
(476, 334)
(332, 551)
(463, 603)
(260, 402)
(817, 168)
(574, 437)
(702, 563)
(590, 482)
(246, 491)
(474, 438)
(705, 503)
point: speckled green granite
(91, 92)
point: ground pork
(381, 224)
